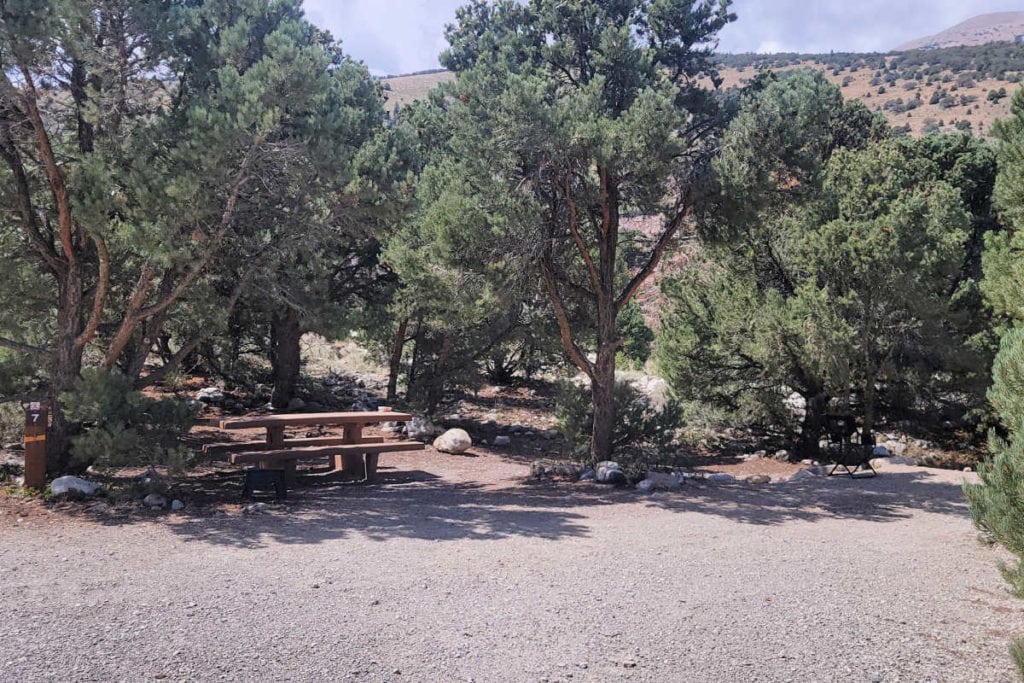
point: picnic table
(352, 453)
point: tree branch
(24, 348)
(652, 262)
(574, 229)
(56, 178)
(100, 297)
(575, 353)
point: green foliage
(997, 504)
(643, 434)
(122, 427)
(1017, 654)
(829, 270)
(637, 336)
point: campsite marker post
(36, 419)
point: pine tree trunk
(602, 389)
(67, 366)
(811, 427)
(395, 362)
(285, 356)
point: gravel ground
(452, 569)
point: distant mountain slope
(984, 28)
(918, 91)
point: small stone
(254, 509)
(177, 505)
(803, 474)
(588, 474)
(154, 500)
(502, 441)
(781, 456)
(721, 478)
(610, 472)
(759, 479)
(968, 469)
(210, 395)
(296, 404)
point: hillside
(918, 91)
(984, 28)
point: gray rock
(453, 441)
(177, 505)
(882, 463)
(210, 395)
(759, 479)
(554, 468)
(529, 434)
(664, 481)
(610, 472)
(588, 474)
(515, 429)
(62, 486)
(255, 509)
(968, 469)
(721, 478)
(154, 500)
(420, 427)
(895, 447)
(502, 441)
(881, 452)
(296, 404)
(645, 486)
(781, 456)
(549, 434)
(802, 475)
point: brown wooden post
(36, 421)
(352, 463)
(275, 441)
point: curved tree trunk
(395, 362)
(285, 356)
(811, 427)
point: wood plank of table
(310, 419)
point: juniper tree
(829, 268)
(568, 116)
(137, 138)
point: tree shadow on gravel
(889, 497)
(418, 505)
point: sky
(402, 36)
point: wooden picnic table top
(302, 419)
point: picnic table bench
(352, 453)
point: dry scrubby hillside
(917, 90)
(984, 28)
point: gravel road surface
(453, 569)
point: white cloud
(391, 36)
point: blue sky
(400, 36)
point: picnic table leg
(351, 463)
(275, 439)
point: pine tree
(997, 504)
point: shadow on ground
(420, 505)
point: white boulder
(64, 485)
(453, 441)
